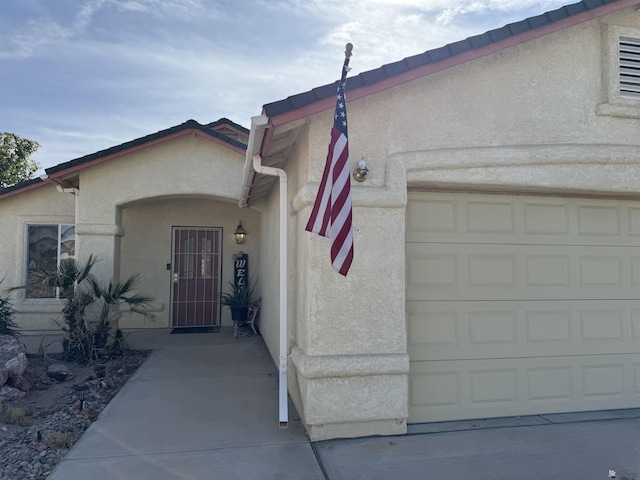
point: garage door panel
(635, 325)
(521, 305)
(486, 388)
(453, 217)
(498, 329)
(634, 271)
(633, 214)
(530, 272)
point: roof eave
(16, 189)
(451, 61)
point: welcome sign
(241, 269)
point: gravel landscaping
(39, 429)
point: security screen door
(196, 274)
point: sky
(79, 76)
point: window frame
(60, 227)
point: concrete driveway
(577, 446)
(205, 406)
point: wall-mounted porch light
(240, 234)
(360, 173)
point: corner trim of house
(349, 365)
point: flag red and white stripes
(331, 214)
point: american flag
(331, 214)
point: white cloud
(103, 72)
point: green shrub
(85, 338)
(7, 325)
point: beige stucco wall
(125, 210)
(529, 118)
(40, 205)
(189, 165)
(146, 246)
(270, 274)
(188, 181)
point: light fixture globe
(360, 173)
(240, 234)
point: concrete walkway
(202, 406)
(205, 406)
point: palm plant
(79, 289)
(74, 280)
(114, 296)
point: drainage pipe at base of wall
(282, 176)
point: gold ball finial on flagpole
(348, 49)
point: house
(158, 206)
(497, 233)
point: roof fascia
(452, 61)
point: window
(629, 54)
(47, 245)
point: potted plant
(239, 298)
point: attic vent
(630, 67)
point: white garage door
(521, 305)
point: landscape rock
(4, 375)
(19, 382)
(59, 372)
(10, 394)
(53, 420)
(10, 347)
(17, 365)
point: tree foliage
(15, 159)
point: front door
(196, 276)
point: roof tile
(373, 76)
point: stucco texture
(42, 205)
(124, 209)
(525, 119)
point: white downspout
(76, 193)
(282, 175)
